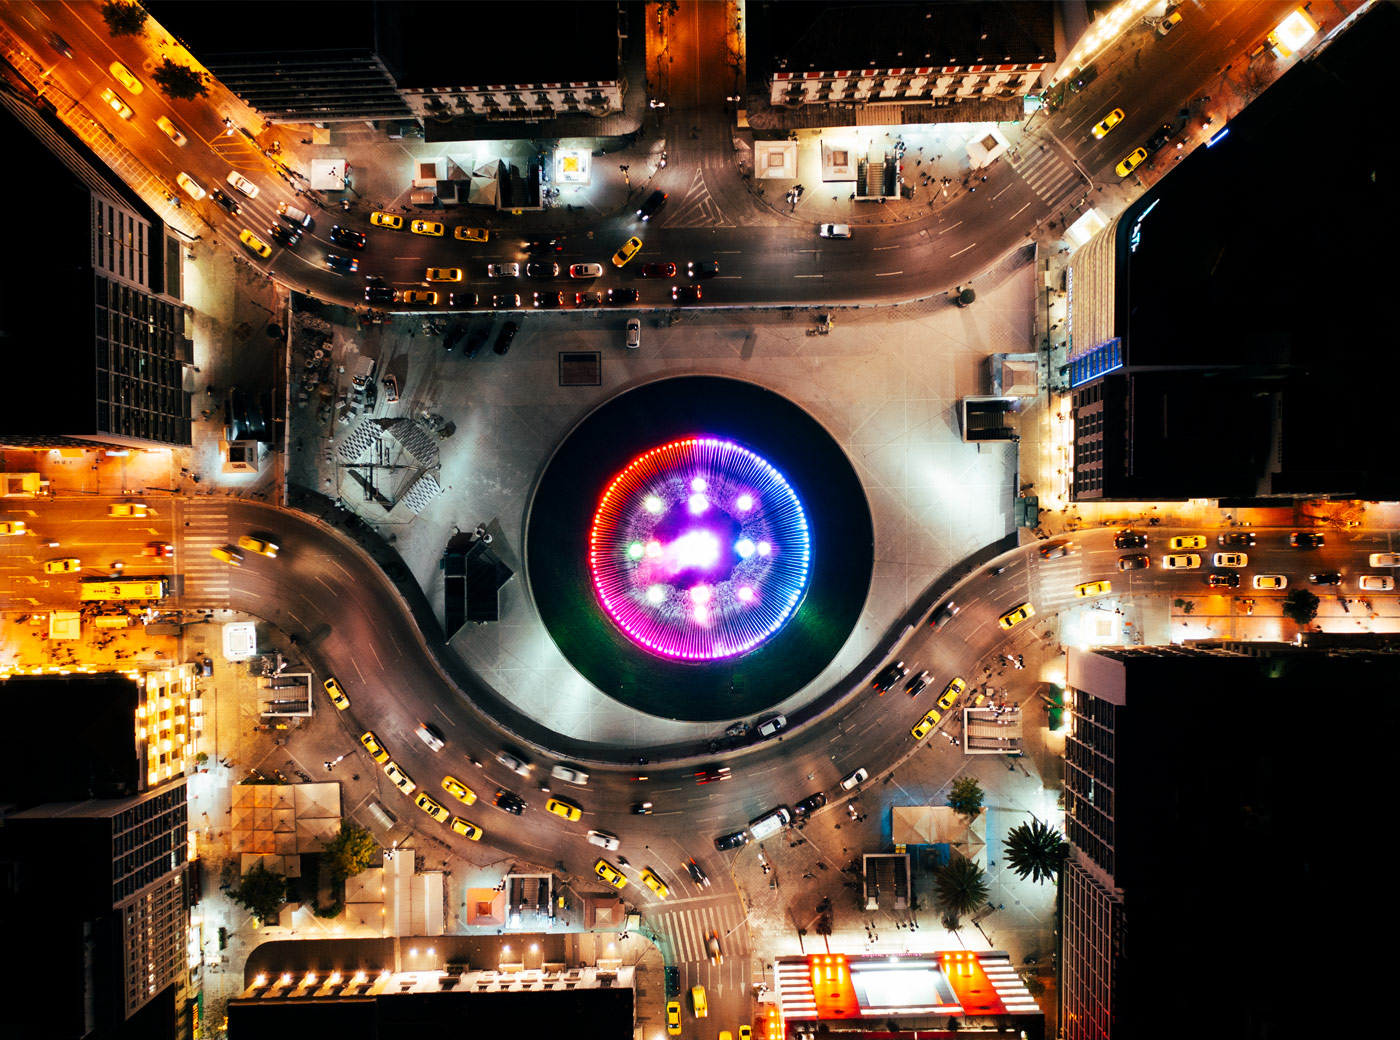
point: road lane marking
(887, 274)
(880, 249)
(960, 252)
(809, 276)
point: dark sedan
(224, 200)
(542, 245)
(1305, 540)
(810, 804)
(1136, 562)
(346, 237)
(619, 296)
(511, 803)
(1130, 540)
(685, 293)
(541, 269)
(549, 299)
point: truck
(363, 372)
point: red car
(711, 774)
(658, 270)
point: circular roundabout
(699, 548)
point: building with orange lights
(868, 996)
(94, 855)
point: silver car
(570, 775)
(604, 840)
(515, 765)
(503, 270)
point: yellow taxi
(418, 296)
(746, 1033)
(372, 745)
(257, 545)
(171, 131)
(426, 227)
(926, 723)
(465, 829)
(627, 252)
(458, 790)
(336, 694)
(471, 234)
(230, 556)
(399, 778)
(1093, 588)
(14, 526)
(1188, 541)
(560, 807)
(951, 693)
(1131, 162)
(655, 883)
(123, 75)
(116, 104)
(389, 220)
(698, 1002)
(673, 1017)
(255, 244)
(444, 274)
(610, 874)
(65, 566)
(1012, 618)
(432, 808)
(128, 509)
(1107, 123)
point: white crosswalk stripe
(206, 579)
(1049, 176)
(685, 930)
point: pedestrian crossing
(1044, 168)
(206, 580)
(681, 931)
(696, 206)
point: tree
(1184, 605)
(123, 19)
(966, 796)
(350, 851)
(261, 892)
(180, 81)
(1035, 851)
(1300, 605)
(960, 887)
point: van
(298, 218)
(770, 823)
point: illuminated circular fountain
(699, 549)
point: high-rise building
(94, 886)
(101, 360)
(1201, 831)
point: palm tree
(1035, 851)
(960, 886)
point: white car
(770, 726)
(514, 764)
(1376, 583)
(586, 271)
(858, 777)
(1181, 561)
(503, 270)
(570, 775)
(603, 839)
(428, 734)
(835, 231)
(634, 333)
(191, 186)
(1231, 559)
(244, 185)
(1385, 559)
(1270, 581)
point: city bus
(103, 590)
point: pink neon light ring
(699, 550)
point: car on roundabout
(888, 676)
(563, 807)
(943, 615)
(951, 693)
(428, 734)
(1016, 615)
(372, 745)
(926, 724)
(915, 686)
(509, 802)
(1054, 550)
(336, 693)
(458, 790)
(655, 883)
(467, 830)
(711, 774)
(399, 778)
(604, 840)
(431, 807)
(258, 545)
(1107, 123)
(610, 874)
(629, 249)
(1130, 162)
(810, 804)
(850, 780)
(255, 244)
(570, 775)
